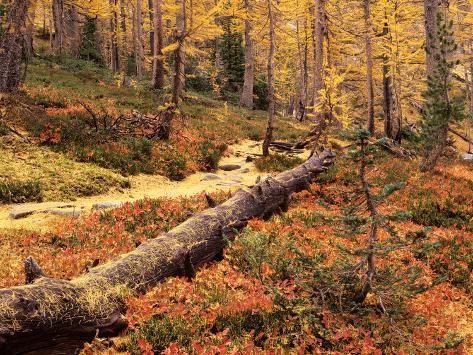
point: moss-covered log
(57, 316)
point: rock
(229, 167)
(245, 170)
(18, 213)
(467, 157)
(227, 183)
(106, 205)
(67, 213)
(236, 178)
(210, 177)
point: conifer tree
(442, 108)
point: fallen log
(52, 316)
(461, 136)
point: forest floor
(286, 283)
(44, 216)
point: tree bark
(158, 60)
(319, 37)
(179, 53)
(246, 99)
(151, 22)
(391, 98)
(71, 31)
(11, 45)
(369, 66)
(271, 99)
(114, 50)
(58, 20)
(57, 316)
(430, 17)
(430, 160)
(139, 50)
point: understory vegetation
(288, 283)
(53, 113)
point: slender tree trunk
(246, 99)
(114, 50)
(319, 33)
(429, 162)
(58, 20)
(179, 54)
(369, 66)
(271, 99)
(139, 50)
(391, 95)
(71, 31)
(151, 22)
(430, 18)
(158, 60)
(11, 45)
(387, 99)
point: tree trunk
(391, 98)
(369, 66)
(11, 45)
(271, 100)
(158, 60)
(179, 54)
(71, 32)
(430, 17)
(114, 50)
(246, 99)
(58, 20)
(151, 22)
(139, 50)
(58, 316)
(429, 162)
(319, 37)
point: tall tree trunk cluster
(11, 45)
(66, 38)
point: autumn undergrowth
(288, 283)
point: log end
(32, 270)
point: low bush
(20, 191)
(277, 163)
(429, 211)
(209, 154)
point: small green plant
(277, 163)
(209, 154)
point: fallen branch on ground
(52, 316)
